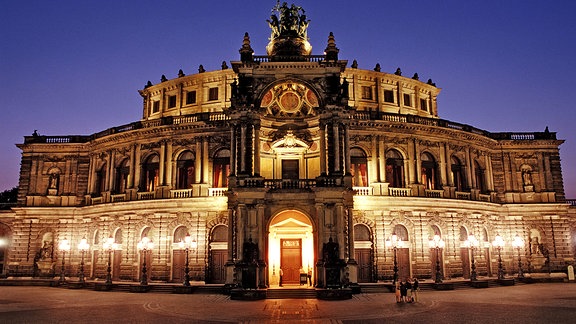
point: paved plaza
(534, 303)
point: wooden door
(465, 257)
(291, 260)
(178, 265)
(117, 260)
(433, 258)
(217, 266)
(403, 259)
(363, 257)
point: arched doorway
(363, 253)
(290, 248)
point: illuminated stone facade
(265, 162)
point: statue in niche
(330, 252)
(526, 177)
(53, 181)
(250, 252)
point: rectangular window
(388, 96)
(367, 93)
(423, 105)
(171, 101)
(213, 94)
(155, 106)
(407, 101)
(190, 97)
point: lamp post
(437, 243)
(63, 246)
(472, 243)
(518, 243)
(499, 244)
(394, 242)
(144, 246)
(187, 244)
(109, 246)
(83, 246)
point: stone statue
(291, 21)
(527, 178)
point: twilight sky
(74, 67)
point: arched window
(480, 177)
(401, 232)
(96, 239)
(100, 186)
(463, 234)
(220, 233)
(221, 169)
(429, 173)
(145, 233)
(394, 169)
(185, 170)
(361, 233)
(180, 234)
(359, 167)
(118, 236)
(458, 175)
(150, 173)
(122, 173)
(435, 230)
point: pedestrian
(309, 277)
(408, 290)
(415, 289)
(281, 275)
(403, 291)
(397, 291)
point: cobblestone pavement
(535, 303)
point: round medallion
(290, 102)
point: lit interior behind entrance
(290, 225)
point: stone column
(233, 150)
(443, 165)
(322, 142)
(169, 164)
(336, 140)
(347, 159)
(162, 166)
(198, 162)
(205, 160)
(257, 150)
(137, 167)
(131, 167)
(242, 149)
(382, 160)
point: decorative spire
(398, 72)
(331, 50)
(181, 73)
(163, 78)
(201, 69)
(354, 64)
(416, 77)
(246, 51)
(148, 84)
(377, 67)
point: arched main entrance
(290, 248)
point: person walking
(408, 290)
(403, 291)
(415, 289)
(281, 275)
(397, 292)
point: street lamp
(518, 243)
(187, 244)
(63, 246)
(437, 243)
(109, 246)
(395, 243)
(144, 245)
(472, 243)
(83, 247)
(499, 244)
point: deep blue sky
(74, 67)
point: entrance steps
(291, 293)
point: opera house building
(286, 164)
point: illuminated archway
(290, 247)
